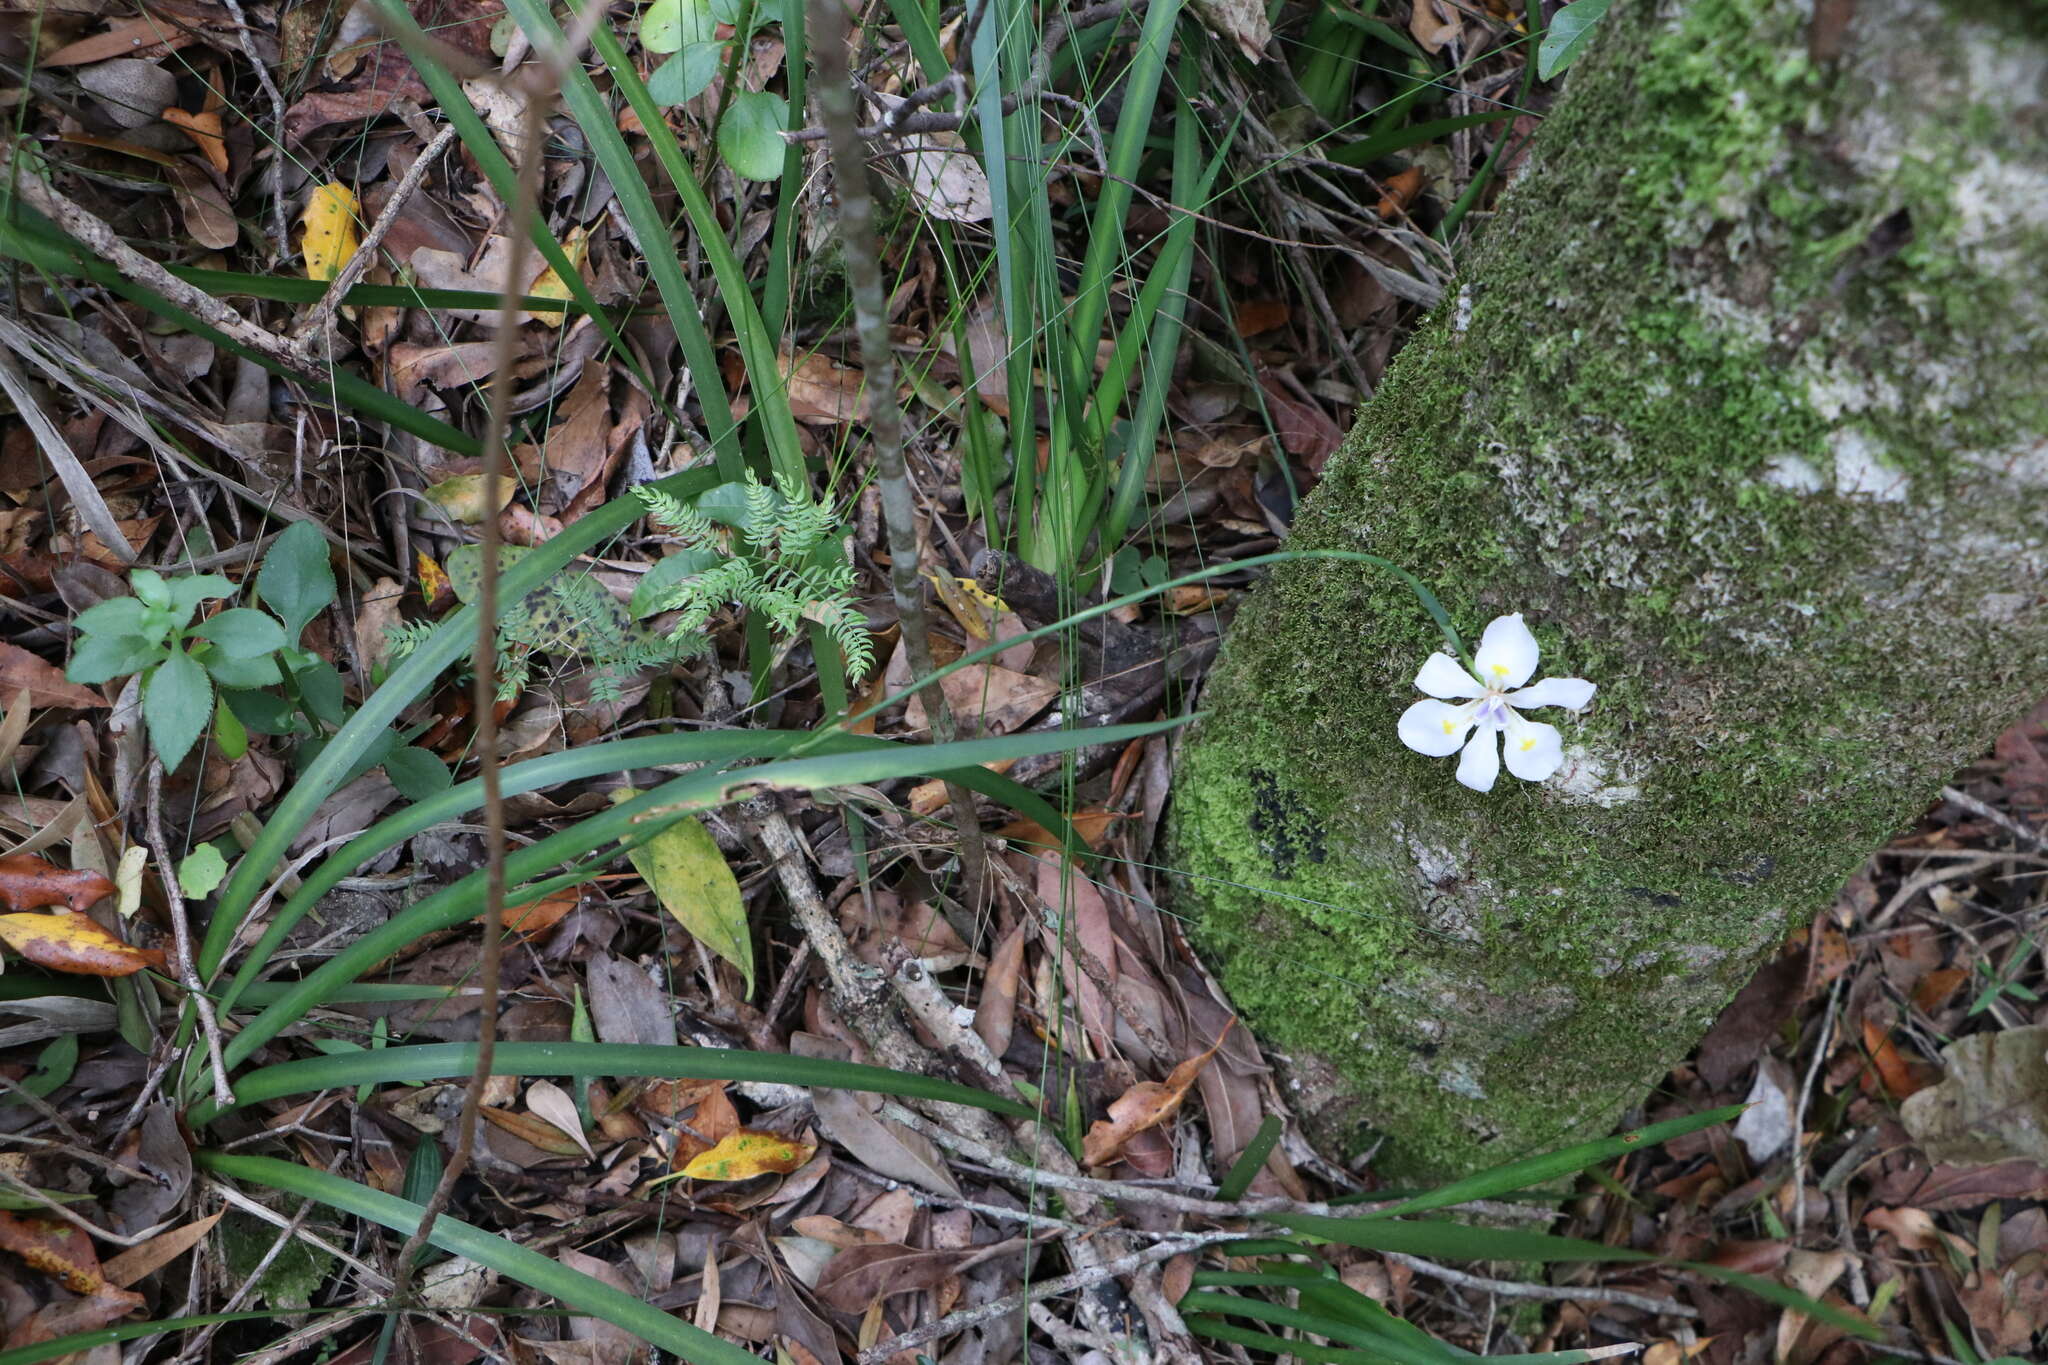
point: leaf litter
(1896, 1039)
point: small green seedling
(752, 121)
(184, 656)
(238, 669)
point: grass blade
(573, 1289)
(536, 774)
(380, 710)
(448, 1061)
(1539, 1170)
(1246, 1168)
(27, 238)
(635, 822)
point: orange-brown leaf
(46, 683)
(1401, 187)
(1145, 1105)
(30, 883)
(61, 1251)
(1899, 1077)
(536, 1132)
(203, 129)
(748, 1153)
(65, 942)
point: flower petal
(1435, 728)
(1535, 750)
(1570, 693)
(1443, 676)
(1481, 763)
(1507, 652)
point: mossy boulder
(1743, 401)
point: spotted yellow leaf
(433, 582)
(548, 284)
(331, 235)
(748, 1153)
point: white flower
(1506, 658)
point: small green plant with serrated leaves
(183, 657)
(240, 669)
(781, 556)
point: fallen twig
(181, 934)
(1044, 1289)
(313, 330)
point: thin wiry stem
(484, 700)
(181, 932)
(857, 241)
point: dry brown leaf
(1075, 901)
(1260, 315)
(158, 1252)
(205, 131)
(1435, 23)
(1242, 21)
(1145, 1105)
(862, 1275)
(822, 390)
(44, 681)
(996, 1017)
(988, 699)
(31, 883)
(535, 1132)
(144, 36)
(209, 218)
(1401, 189)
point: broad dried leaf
(331, 235)
(30, 883)
(44, 681)
(1993, 1104)
(1242, 21)
(552, 1104)
(65, 942)
(945, 177)
(1899, 1076)
(689, 876)
(204, 129)
(992, 700)
(535, 1132)
(748, 1153)
(158, 1252)
(858, 1276)
(1145, 1105)
(1435, 24)
(822, 390)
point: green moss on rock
(1722, 409)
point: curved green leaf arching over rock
(1741, 401)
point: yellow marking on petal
(1527, 745)
(1450, 727)
(1501, 669)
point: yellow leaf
(748, 1153)
(433, 582)
(65, 942)
(331, 236)
(548, 284)
(462, 496)
(689, 876)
